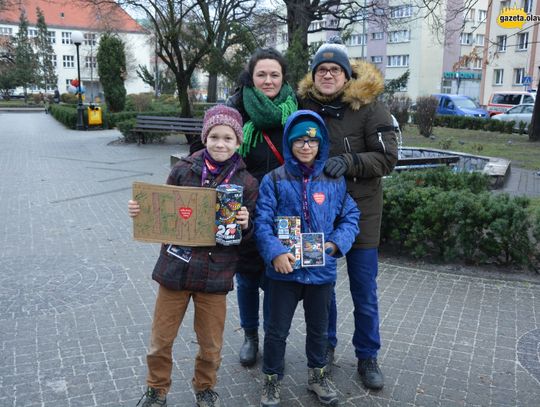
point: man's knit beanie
(222, 115)
(332, 51)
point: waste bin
(94, 116)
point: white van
(500, 102)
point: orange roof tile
(72, 14)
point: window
(398, 60)
(519, 74)
(501, 43)
(498, 75)
(399, 36)
(481, 16)
(333, 22)
(69, 61)
(470, 15)
(89, 39)
(477, 64)
(479, 40)
(51, 36)
(66, 37)
(6, 31)
(357, 39)
(528, 99)
(53, 60)
(401, 11)
(377, 36)
(32, 33)
(465, 38)
(376, 59)
(90, 62)
(504, 4)
(527, 6)
(522, 41)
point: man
(363, 149)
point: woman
(265, 101)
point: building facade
(442, 50)
(65, 18)
(512, 55)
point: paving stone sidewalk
(76, 298)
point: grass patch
(514, 147)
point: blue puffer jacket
(332, 211)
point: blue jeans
(362, 267)
(284, 297)
(247, 292)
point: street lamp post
(77, 39)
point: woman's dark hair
(246, 77)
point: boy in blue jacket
(300, 189)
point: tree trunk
(534, 127)
(211, 91)
(183, 98)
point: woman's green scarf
(265, 113)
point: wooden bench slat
(167, 124)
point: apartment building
(512, 55)
(66, 17)
(443, 50)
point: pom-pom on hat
(222, 115)
(304, 127)
(332, 51)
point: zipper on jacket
(381, 141)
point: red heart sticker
(185, 213)
(319, 197)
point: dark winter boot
(248, 351)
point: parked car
(500, 102)
(520, 113)
(458, 105)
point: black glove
(335, 167)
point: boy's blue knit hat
(304, 127)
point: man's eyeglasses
(300, 143)
(334, 71)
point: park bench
(190, 127)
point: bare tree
(186, 32)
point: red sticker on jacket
(185, 213)
(319, 197)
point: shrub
(140, 102)
(448, 215)
(399, 106)
(125, 128)
(69, 98)
(426, 107)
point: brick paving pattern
(76, 298)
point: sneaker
(370, 373)
(319, 384)
(152, 399)
(271, 391)
(207, 398)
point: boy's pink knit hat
(222, 115)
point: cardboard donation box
(182, 216)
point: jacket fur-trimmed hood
(365, 85)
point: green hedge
(448, 216)
(67, 115)
(473, 123)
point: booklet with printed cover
(288, 232)
(312, 249)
